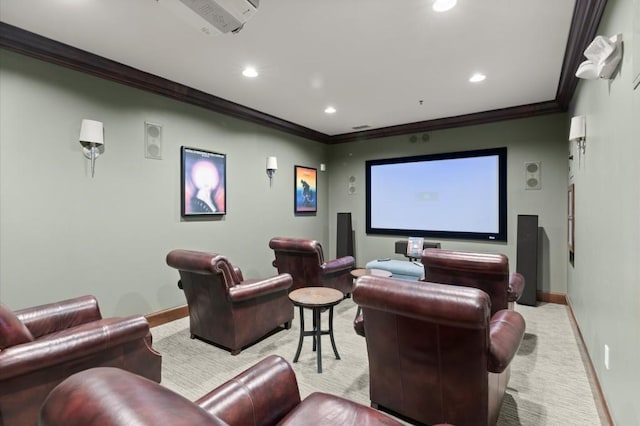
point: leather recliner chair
(436, 354)
(224, 308)
(304, 260)
(42, 345)
(264, 395)
(487, 272)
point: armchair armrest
(267, 391)
(71, 343)
(506, 330)
(45, 319)
(253, 289)
(516, 285)
(112, 397)
(345, 263)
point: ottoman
(401, 269)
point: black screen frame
(500, 236)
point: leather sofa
(304, 260)
(488, 272)
(224, 308)
(42, 345)
(436, 353)
(264, 395)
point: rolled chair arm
(506, 330)
(71, 343)
(337, 265)
(51, 317)
(516, 285)
(266, 391)
(109, 396)
(253, 289)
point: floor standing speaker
(344, 241)
(527, 257)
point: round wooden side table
(317, 299)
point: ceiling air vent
(361, 127)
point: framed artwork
(305, 190)
(571, 217)
(203, 182)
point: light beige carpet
(548, 386)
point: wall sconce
(92, 141)
(603, 56)
(578, 133)
(272, 166)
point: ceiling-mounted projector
(213, 16)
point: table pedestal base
(316, 333)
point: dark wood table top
(356, 273)
(314, 297)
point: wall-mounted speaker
(532, 175)
(351, 185)
(423, 138)
(152, 141)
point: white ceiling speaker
(603, 56)
(152, 141)
(351, 186)
(532, 175)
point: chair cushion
(321, 409)
(12, 330)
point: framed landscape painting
(305, 190)
(203, 182)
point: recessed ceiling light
(329, 110)
(250, 72)
(477, 77)
(443, 5)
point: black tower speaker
(527, 257)
(344, 241)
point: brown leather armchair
(488, 272)
(224, 308)
(304, 260)
(264, 395)
(43, 345)
(436, 355)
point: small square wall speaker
(532, 175)
(351, 186)
(152, 141)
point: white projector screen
(454, 195)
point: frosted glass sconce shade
(272, 166)
(91, 139)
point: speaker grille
(532, 175)
(152, 141)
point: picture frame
(305, 195)
(203, 190)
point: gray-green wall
(604, 282)
(63, 233)
(540, 139)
